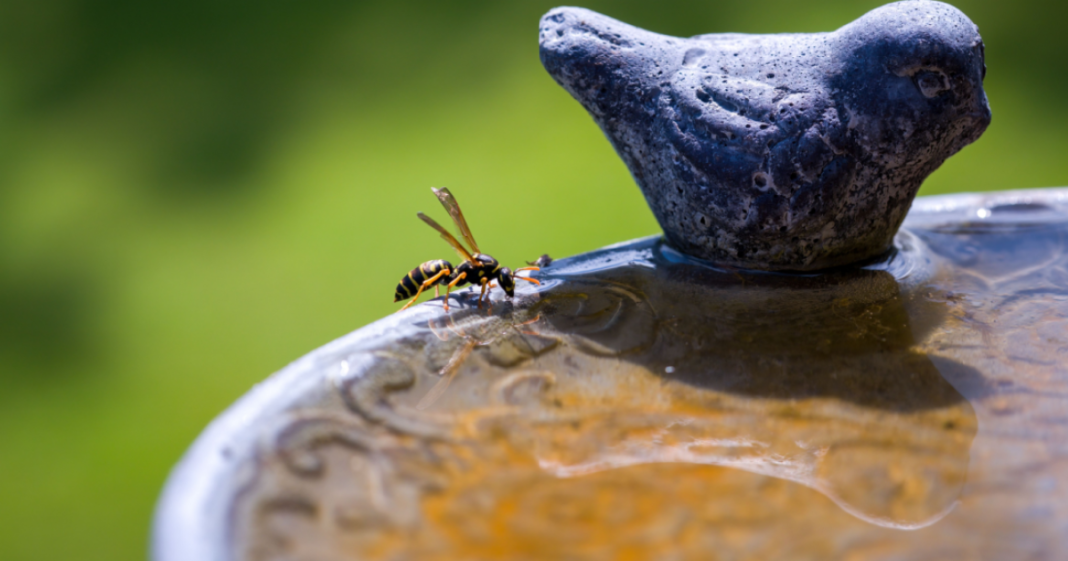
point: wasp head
(507, 282)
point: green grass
(191, 200)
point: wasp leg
(437, 290)
(450, 286)
(426, 284)
(483, 293)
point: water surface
(641, 405)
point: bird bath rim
(192, 517)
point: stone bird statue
(779, 152)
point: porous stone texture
(779, 152)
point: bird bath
(640, 404)
(900, 400)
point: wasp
(477, 268)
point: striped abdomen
(409, 285)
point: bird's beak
(980, 116)
(599, 60)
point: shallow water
(640, 405)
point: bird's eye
(931, 83)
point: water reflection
(824, 381)
(849, 334)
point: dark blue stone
(783, 152)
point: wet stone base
(639, 405)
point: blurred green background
(194, 193)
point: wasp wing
(453, 208)
(447, 237)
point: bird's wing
(744, 131)
(726, 104)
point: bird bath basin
(643, 405)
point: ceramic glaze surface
(642, 405)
